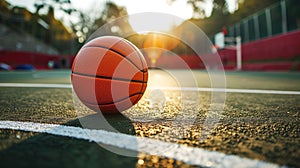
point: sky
(178, 8)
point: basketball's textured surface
(109, 74)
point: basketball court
(258, 126)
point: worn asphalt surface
(257, 126)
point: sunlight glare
(179, 9)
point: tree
(218, 18)
(87, 23)
(82, 27)
(198, 9)
(220, 8)
(51, 5)
(247, 8)
(111, 13)
(55, 27)
(64, 5)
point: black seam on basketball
(117, 101)
(115, 51)
(144, 68)
(111, 78)
(136, 49)
(141, 89)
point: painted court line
(190, 155)
(38, 85)
(227, 90)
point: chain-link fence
(277, 19)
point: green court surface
(253, 125)
(234, 79)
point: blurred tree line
(84, 25)
(66, 35)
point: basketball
(109, 74)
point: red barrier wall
(263, 54)
(274, 53)
(281, 47)
(38, 60)
(278, 47)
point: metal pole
(237, 28)
(269, 21)
(238, 53)
(246, 30)
(284, 16)
(256, 27)
(231, 31)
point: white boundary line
(38, 85)
(190, 155)
(227, 90)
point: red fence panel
(273, 49)
(38, 60)
(283, 46)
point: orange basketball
(109, 74)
